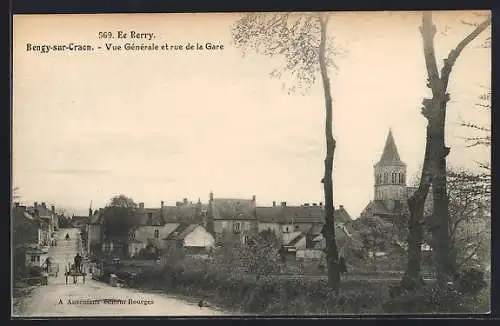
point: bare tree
(434, 167)
(468, 194)
(302, 40)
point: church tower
(390, 175)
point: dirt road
(98, 299)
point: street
(96, 298)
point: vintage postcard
(232, 164)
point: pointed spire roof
(390, 155)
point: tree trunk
(412, 278)
(332, 255)
(435, 111)
(443, 258)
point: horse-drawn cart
(72, 271)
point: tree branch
(428, 30)
(453, 55)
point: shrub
(428, 299)
(471, 282)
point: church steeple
(390, 175)
(390, 155)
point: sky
(165, 125)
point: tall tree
(302, 40)
(436, 151)
(119, 216)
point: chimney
(141, 205)
(16, 204)
(90, 212)
(185, 201)
(320, 204)
(283, 203)
(314, 204)
(53, 209)
(178, 203)
(341, 206)
(162, 204)
(253, 198)
(211, 196)
(36, 205)
(43, 205)
(274, 204)
(306, 204)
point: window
(296, 227)
(287, 229)
(33, 258)
(386, 177)
(245, 239)
(237, 227)
(157, 234)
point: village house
(230, 219)
(49, 218)
(154, 225)
(29, 237)
(299, 228)
(193, 239)
(94, 231)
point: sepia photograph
(251, 164)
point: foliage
(469, 205)
(292, 37)
(266, 295)
(119, 216)
(471, 281)
(376, 233)
(64, 222)
(262, 253)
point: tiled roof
(181, 232)
(144, 213)
(232, 209)
(43, 212)
(315, 229)
(290, 239)
(20, 215)
(298, 214)
(375, 207)
(390, 156)
(179, 213)
(296, 240)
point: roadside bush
(471, 282)
(428, 299)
